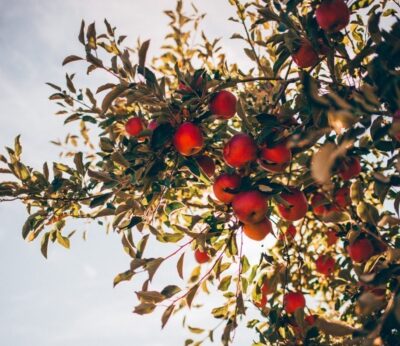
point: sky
(68, 299)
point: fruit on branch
(153, 124)
(305, 55)
(342, 197)
(295, 206)
(263, 301)
(332, 237)
(318, 203)
(275, 158)
(266, 288)
(240, 150)
(293, 301)
(226, 186)
(134, 126)
(289, 234)
(349, 168)
(201, 256)
(332, 15)
(325, 265)
(257, 231)
(188, 139)
(331, 214)
(207, 164)
(361, 250)
(223, 104)
(250, 206)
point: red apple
(342, 197)
(361, 250)
(332, 237)
(296, 207)
(266, 288)
(223, 104)
(240, 150)
(318, 203)
(262, 302)
(250, 206)
(293, 301)
(349, 168)
(332, 15)
(188, 139)
(207, 164)
(153, 125)
(257, 231)
(201, 256)
(276, 158)
(305, 56)
(289, 234)
(325, 265)
(225, 187)
(134, 126)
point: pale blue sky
(68, 299)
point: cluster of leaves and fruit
(192, 150)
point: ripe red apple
(297, 205)
(332, 15)
(318, 203)
(250, 206)
(276, 158)
(188, 139)
(289, 234)
(262, 302)
(207, 164)
(305, 56)
(332, 237)
(225, 187)
(349, 168)
(134, 126)
(240, 150)
(342, 197)
(361, 250)
(293, 301)
(201, 256)
(257, 231)
(223, 104)
(325, 265)
(266, 288)
(153, 125)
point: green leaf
(100, 200)
(225, 282)
(125, 276)
(171, 207)
(170, 291)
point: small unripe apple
(276, 158)
(240, 150)
(188, 139)
(201, 256)
(305, 56)
(361, 250)
(349, 168)
(134, 126)
(223, 104)
(293, 301)
(296, 205)
(342, 197)
(289, 234)
(325, 265)
(226, 187)
(250, 206)
(332, 15)
(257, 231)
(207, 164)
(153, 125)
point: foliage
(343, 106)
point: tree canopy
(187, 148)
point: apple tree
(188, 149)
